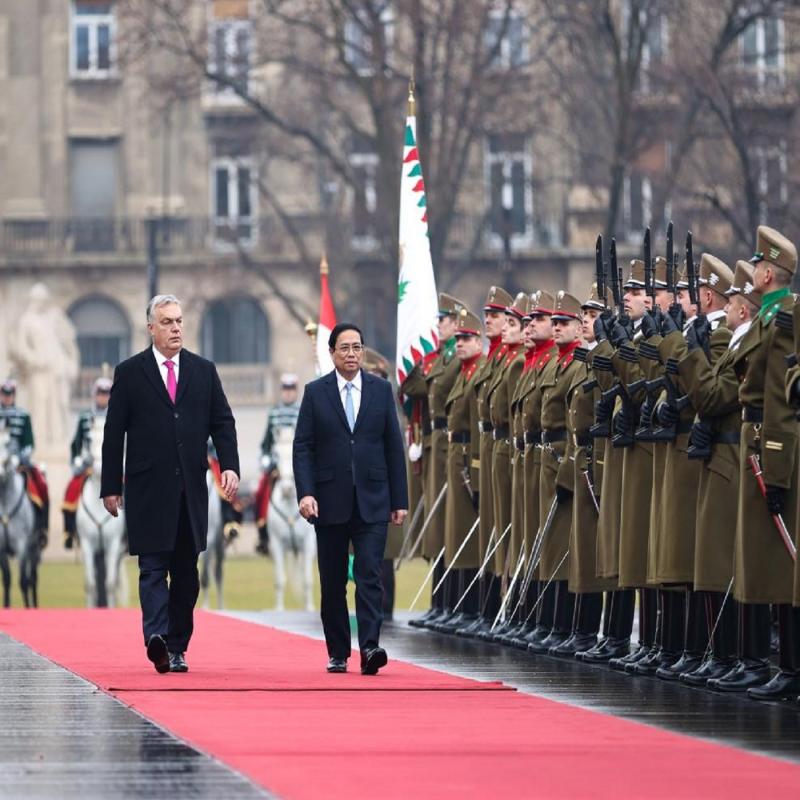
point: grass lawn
(248, 585)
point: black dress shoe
(455, 622)
(608, 649)
(520, 639)
(440, 622)
(177, 663)
(419, 622)
(537, 635)
(783, 686)
(471, 631)
(372, 660)
(688, 662)
(157, 652)
(576, 642)
(337, 665)
(710, 669)
(656, 660)
(554, 639)
(745, 675)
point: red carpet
(349, 743)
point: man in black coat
(350, 474)
(167, 401)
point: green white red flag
(417, 300)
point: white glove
(414, 452)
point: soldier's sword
(427, 522)
(427, 578)
(536, 553)
(549, 581)
(590, 486)
(719, 617)
(490, 550)
(409, 528)
(509, 591)
(458, 553)
(755, 465)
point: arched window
(235, 331)
(103, 331)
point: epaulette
(581, 353)
(628, 354)
(602, 364)
(784, 321)
(649, 351)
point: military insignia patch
(774, 252)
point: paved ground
(60, 737)
(769, 728)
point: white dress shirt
(738, 335)
(716, 317)
(161, 358)
(355, 391)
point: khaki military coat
(462, 462)
(556, 468)
(763, 569)
(517, 532)
(416, 388)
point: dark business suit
(166, 497)
(358, 478)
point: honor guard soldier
(81, 458)
(377, 364)
(18, 423)
(494, 316)
(439, 374)
(499, 394)
(675, 549)
(556, 487)
(283, 415)
(764, 569)
(740, 644)
(542, 359)
(461, 550)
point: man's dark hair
(341, 328)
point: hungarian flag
(417, 301)
(327, 320)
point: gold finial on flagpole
(412, 104)
(323, 265)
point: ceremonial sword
(410, 527)
(427, 578)
(425, 524)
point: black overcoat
(166, 449)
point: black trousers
(168, 608)
(333, 544)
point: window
(364, 164)
(654, 51)
(368, 35)
(505, 39)
(92, 39)
(509, 185)
(235, 331)
(770, 168)
(637, 205)
(93, 193)
(103, 331)
(230, 47)
(233, 200)
(761, 49)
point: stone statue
(46, 355)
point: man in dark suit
(167, 401)
(349, 469)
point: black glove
(563, 495)
(650, 326)
(697, 336)
(668, 325)
(620, 335)
(476, 500)
(776, 499)
(602, 326)
(667, 415)
(794, 395)
(701, 435)
(603, 409)
(677, 316)
(646, 413)
(623, 422)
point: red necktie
(172, 383)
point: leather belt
(582, 440)
(457, 438)
(500, 433)
(752, 414)
(533, 437)
(519, 443)
(439, 423)
(727, 437)
(484, 426)
(555, 435)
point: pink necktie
(172, 384)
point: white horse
(289, 533)
(101, 536)
(17, 526)
(212, 557)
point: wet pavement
(61, 737)
(769, 728)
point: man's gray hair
(158, 301)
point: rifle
(616, 284)
(691, 272)
(599, 269)
(649, 270)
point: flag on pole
(417, 301)
(327, 320)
